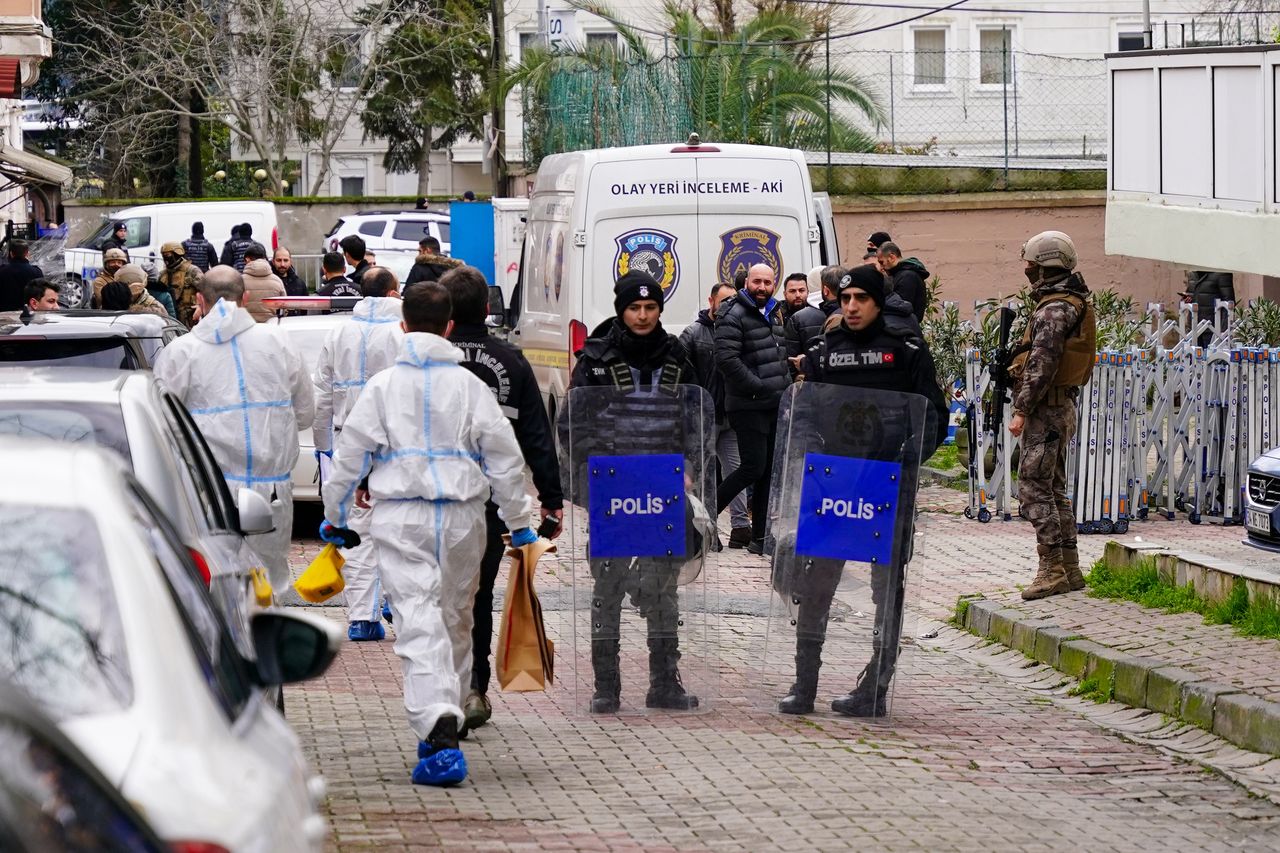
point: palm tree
(759, 84)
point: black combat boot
(808, 662)
(665, 689)
(604, 661)
(868, 699)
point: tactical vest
(1080, 351)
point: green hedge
(289, 199)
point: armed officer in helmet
(633, 353)
(1049, 366)
(858, 348)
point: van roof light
(694, 146)
(694, 140)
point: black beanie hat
(879, 238)
(246, 230)
(866, 277)
(197, 229)
(634, 286)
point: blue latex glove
(523, 536)
(341, 536)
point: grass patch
(962, 610)
(945, 459)
(1142, 584)
(1092, 689)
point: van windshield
(139, 233)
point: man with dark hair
(199, 250)
(806, 324)
(259, 282)
(332, 268)
(908, 276)
(752, 356)
(509, 376)
(282, 265)
(433, 443)
(15, 275)
(379, 282)
(42, 295)
(353, 250)
(430, 265)
(699, 340)
(795, 293)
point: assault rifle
(1000, 364)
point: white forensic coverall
(434, 442)
(247, 390)
(353, 352)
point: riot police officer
(633, 353)
(859, 349)
(1053, 361)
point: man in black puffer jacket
(752, 357)
(908, 276)
(632, 352)
(806, 324)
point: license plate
(1258, 521)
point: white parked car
(106, 619)
(393, 230)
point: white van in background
(689, 214)
(150, 226)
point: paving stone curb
(1213, 579)
(1233, 714)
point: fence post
(1004, 89)
(828, 42)
(893, 136)
(1013, 69)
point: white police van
(689, 214)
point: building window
(352, 186)
(602, 40)
(930, 57)
(345, 62)
(995, 52)
(527, 40)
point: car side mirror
(292, 647)
(255, 513)
(497, 307)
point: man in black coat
(752, 357)
(119, 239)
(633, 353)
(806, 324)
(908, 276)
(507, 373)
(430, 265)
(859, 349)
(282, 266)
(15, 275)
(699, 339)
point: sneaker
(740, 537)
(363, 631)
(476, 710)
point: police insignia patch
(743, 248)
(652, 251)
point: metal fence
(997, 107)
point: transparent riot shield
(639, 472)
(841, 528)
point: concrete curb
(1213, 579)
(1233, 714)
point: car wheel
(74, 293)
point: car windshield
(443, 225)
(139, 233)
(113, 352)
(100, 424)
(60, 631)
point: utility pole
(1147, 41)
(497, 100)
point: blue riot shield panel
(841, 529)
(639, 474)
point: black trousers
(482, 629)
(756, 432)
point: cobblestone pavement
(970, 761)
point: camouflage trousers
(1042, 474)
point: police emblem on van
(743, 248)
(651, 251)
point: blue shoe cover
(441, 768)
(386, 611)
(363, 631)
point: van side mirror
(292, 647)
(255, 513)
(497, 307)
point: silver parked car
(84, 338)
(1262, 502)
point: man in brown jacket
(260, 282)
